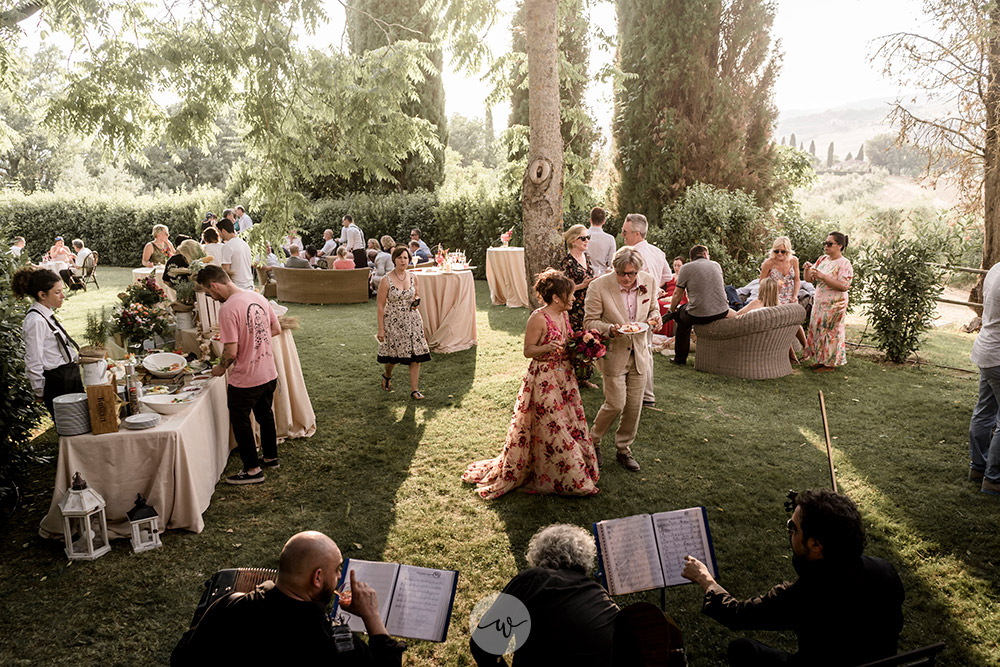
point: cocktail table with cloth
(754, 346)
(448, 307)
(175, 465)
(505, 274)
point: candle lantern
(145, 525)
(84, 519)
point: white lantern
(83, 516)
(145, 525)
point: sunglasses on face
(792, 528)
(780, 252)
(583, 238)
(828, 244)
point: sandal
(386, 383)
(416, 395)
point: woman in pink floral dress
(832, 275)
(548, 447)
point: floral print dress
(577, 274)
(826, 341)
(404, 329)
(786, 284)
(548, 447)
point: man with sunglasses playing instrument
(845, 608)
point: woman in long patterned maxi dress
(400, 329)
(548, 447)
(832, 275)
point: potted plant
(183, 305)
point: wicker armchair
(754, 347)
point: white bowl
(164, 364)
(166, 404)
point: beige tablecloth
(157, 272)
(55, 266)
(448, 307)
(175, 465)
(506, 277)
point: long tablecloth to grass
(175, 465)
(448, 307)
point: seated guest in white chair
(295, 261)
(572, 616)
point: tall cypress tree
(701, 106)
(829, 156)
(400, 20)
(578, 132)
(861, 153)
(812, 147)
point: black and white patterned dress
(404, 329)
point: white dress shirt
(245, 223)
(290, 241)
(16, 250)
(353, 238)
(655, 262)
(601, 250)
(43, 351)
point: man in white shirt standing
(654, 262)
(243, 221)
(236, 256)
(602, 245)
(17, 247)
(354, 239)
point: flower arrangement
(137, 321)
(583, 349)
(440, 256)
(506, 236)
(145, 292)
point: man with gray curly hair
(572, 616)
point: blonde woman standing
(782, 266)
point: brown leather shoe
(628, 462)
(597, 455)
(976, 475)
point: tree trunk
(542, 186)
(991, 161)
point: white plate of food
(156, 389)
(633, 328)
(164, 364)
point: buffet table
(175, 465)
(506, 277)
(448, 308)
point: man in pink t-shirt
(247, 324)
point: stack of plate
(142, 420)
(71, 414)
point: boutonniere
(642, 290)
(646, 301)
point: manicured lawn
(381, 476)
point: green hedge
(119, 227)
(116, 227)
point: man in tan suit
(613, 300)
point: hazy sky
(826, 47)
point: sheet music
(628, 549)
(681, 533)
(420, 603)
(380, 576)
